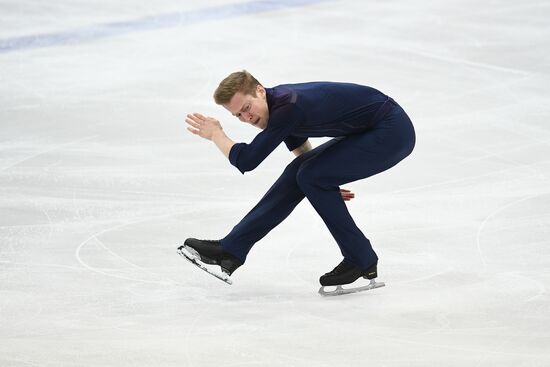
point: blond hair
(239, 81)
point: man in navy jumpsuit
(371, 133)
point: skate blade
(193, 257)
(340, 290)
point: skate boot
(210, 252)
(346, 273)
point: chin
(259, 124)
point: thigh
(363, 155)
(293, 167)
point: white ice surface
(100, 182)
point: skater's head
(242, 95)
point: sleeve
(292, 142)
(246, 157)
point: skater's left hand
(346, 194)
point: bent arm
(282, 121)
(306, 147)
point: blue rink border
(161, 21)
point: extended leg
(279, 201)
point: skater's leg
(279, 201)
(351, 159)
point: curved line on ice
(99, 271)
(490, 216)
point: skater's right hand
(203, 126)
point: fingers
(196, 132)
(196, 122)
(194, 118)
(193, 124)
(200, 125)
(197, 117)
(347, 195)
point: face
(250, 109)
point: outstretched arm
(211, 129)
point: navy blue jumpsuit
(371, 134)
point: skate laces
(340, 268)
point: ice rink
(100, 182)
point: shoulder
(290, 93)
(281, 95)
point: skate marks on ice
(340, 290)
(493, 214)
(192, 256)
(125, 269)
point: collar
(269, 96)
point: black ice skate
(200, 252)
(346, 273)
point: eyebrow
(241, 110)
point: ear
(260, 90)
